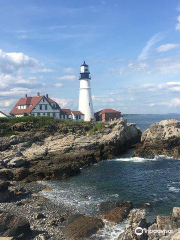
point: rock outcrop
(162, 138)
(58, 151)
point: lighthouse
(85, 98)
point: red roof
(66, 111)
(77, 113)
(108, 110)
(32, 101)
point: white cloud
(175, 102)
(46, 70)
(58, 85)
(17, 91)
(178, 24)
(66, 103)
(167, 47)
(173, 83)
(7, 103)
(68, 70)
(164, 66)
(156, 38)
(12, 63)
(67, 78)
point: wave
(139, 159)
(110, 231)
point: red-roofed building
(77, 116)
(107, 115)
(66, 114)
(72, 115)
(36, 106)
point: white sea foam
(174, 189)
(133, 159)
(139, 159)
(111, 231)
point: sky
(132, 48)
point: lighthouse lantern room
(85, 98)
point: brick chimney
(47, 96)
(38, 94)
(25, 95)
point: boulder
(79, 226)
(14, 226)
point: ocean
(153, 182)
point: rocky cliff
(58, 150)
(162, 138)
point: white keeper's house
(42, 105)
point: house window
(43, 99)
(40, 106)
(48, 114)
(38, 114)
(54, 114)
(89, 104)
(45, 107)
(44, 114)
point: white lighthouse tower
(85, 98)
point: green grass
(41, 120)
(96, 128)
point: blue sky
(132, 47)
